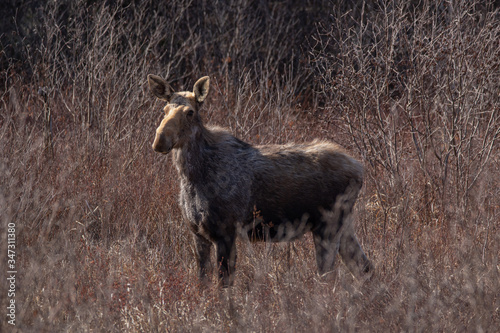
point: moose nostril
(157, 144)
(160, 145)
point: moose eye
(190, 113)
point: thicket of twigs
(410, 88)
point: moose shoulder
(266, 193)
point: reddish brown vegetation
(412, 90)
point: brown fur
(266, 193)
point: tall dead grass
(412, 90)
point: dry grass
(411, 90)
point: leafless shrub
(418, 88)
(412, 89)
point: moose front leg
(226, 259)
(203, 249)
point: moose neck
(192, 158)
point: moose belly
(277, 224)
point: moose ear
(201, 89)
(159, 87)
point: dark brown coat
(265, 193)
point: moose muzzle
(161, 144)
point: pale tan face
(181, 112)
(175, 128)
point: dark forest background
(411, 88)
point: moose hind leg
(203, 249)
(226, 259)
(352, 254)
(327, 247)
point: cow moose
(266, 193)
